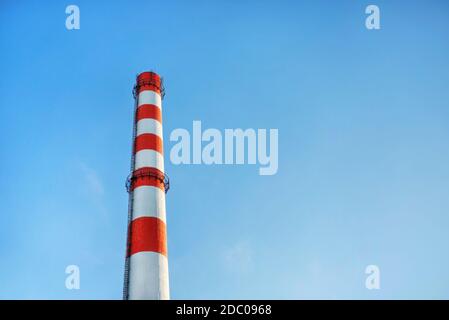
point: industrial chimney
(146, 266)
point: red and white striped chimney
(146, 268)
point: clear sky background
(363, 119)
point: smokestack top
(149, 80)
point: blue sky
(363, 146)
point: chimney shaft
(146, 267)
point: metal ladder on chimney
(130, 205)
